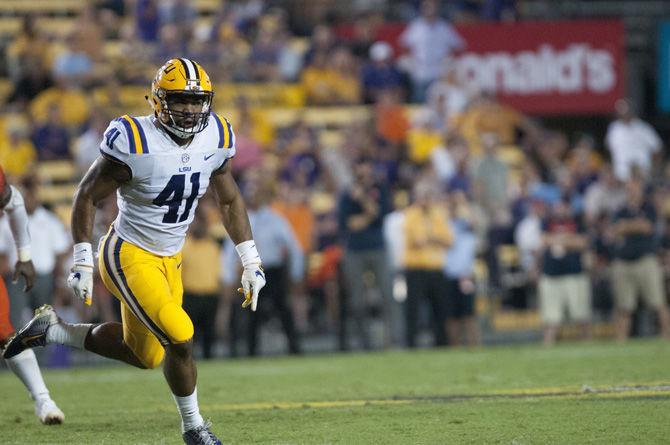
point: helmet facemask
(182, 123)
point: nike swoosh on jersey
(207, 157)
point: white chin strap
(178, 131)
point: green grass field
(572, 394)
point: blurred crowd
(403, 228)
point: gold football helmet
(181, 96)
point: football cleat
(48, 413)
(33, 334)
(201, 436)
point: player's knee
(182, 351)
(176, 323)
(152, 359)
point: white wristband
(248, 253)
(24, 254)
(83, 254)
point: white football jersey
(157, 205)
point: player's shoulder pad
(125, 135)
(226, 136)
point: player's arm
(232, 207)
(102, 179)
(12, 202)
(236, 221)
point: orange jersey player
(24, 365)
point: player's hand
(81, 282)
(253, 280)
(27, 271)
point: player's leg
(179, 368)
(24, 366)
(156, 326)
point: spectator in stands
(490, 182)
(345, 77)
(584, 163)
(564, 285)
(361, 211)
(316, 80)
(364, 32)
(381, 74)
(394, 224)
(73, 106)
(522, 192)
(249, 150)
(332, 78)
(282, 260)
(87, 147)
(491, 177)
(325, 279)
(490, 10)
(29, 85)
(427, 237)
(486, 115)
(460, 276)
(528, 240)
(17, 152)
(147, 20)
(74, 66)
(266, 52)
(391, 122)
(499, 10)
(179, 13)
(255, 119)
(636, 272)
(171, 43)
(422, 138)
(201, 263)
(321, 43)
(52, 139)
(461, 180)
(447, 99)
(430, 40)
(29, 51)
(443, 160)
(88, 30)
(605, 196)
(632, 143)
(292, 203)
(231, 51)
(50, 244)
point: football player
(24, 365)
(159, 165)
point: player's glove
(81, 274)
(253, 277)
